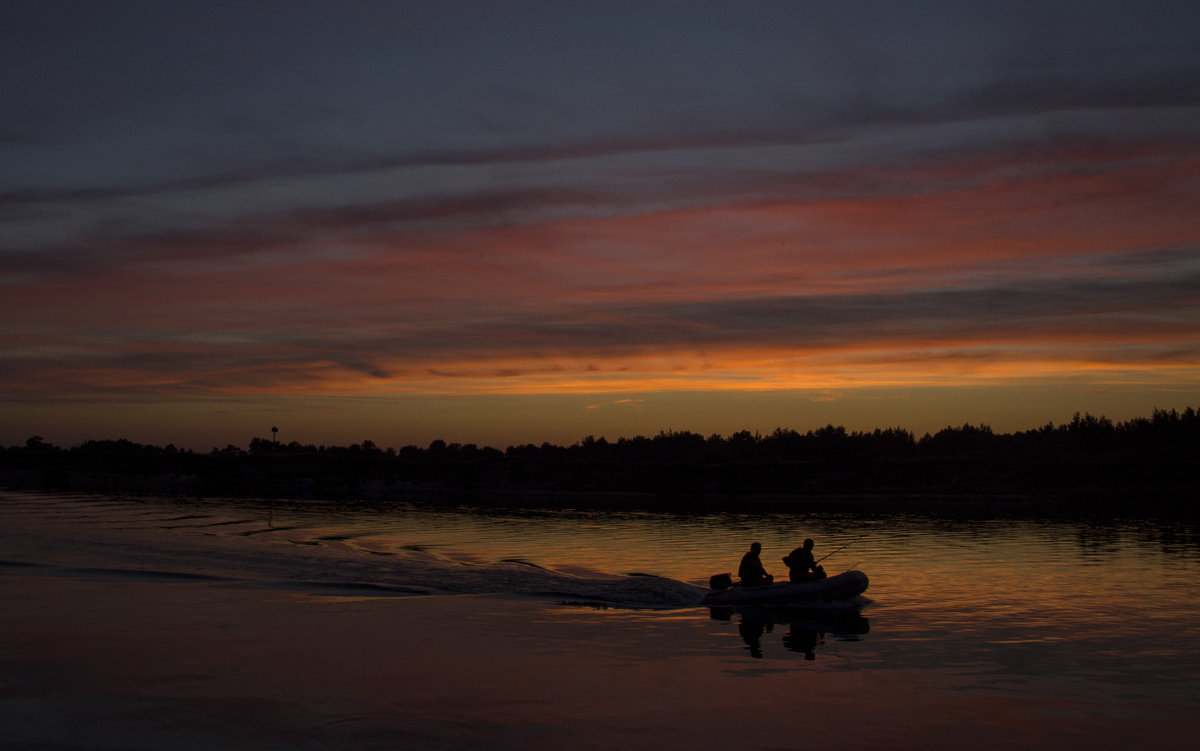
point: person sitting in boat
(801, 565)
(751, 570)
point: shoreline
(1086, 467)
(1167, 502)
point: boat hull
(842, 592)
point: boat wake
(402, 577)
(108, 540)
(320, 550)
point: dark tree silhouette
(1088, 460)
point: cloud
(617, 403)
(768, 205)
(1126, 309)
(561, 201)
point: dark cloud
(1143, 317)
(369, 94)
(1065, 309)
(1165, 88)
(245, 143)
(1069, 310)
(285, 232)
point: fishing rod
(856, 539)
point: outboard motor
(720, 581)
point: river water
(210, 623)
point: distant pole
(275, 434)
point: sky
(516, 222)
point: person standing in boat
(801, 565)
(751, 570)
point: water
(998, 633)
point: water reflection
(806, 631)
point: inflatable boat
(840, 593)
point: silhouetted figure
(801, 565)
(751, 570)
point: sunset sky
(511, 222)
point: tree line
(1151, 458)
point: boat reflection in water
(806, 630)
